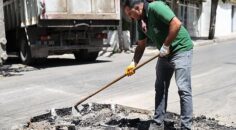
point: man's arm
(174, 27)
(139, 51)
(137, 56)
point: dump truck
(3, 41)
(39, 28)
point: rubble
(93, 116)
(14, 70)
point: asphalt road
(61, 82)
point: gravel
(93, 116)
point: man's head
(133, 9)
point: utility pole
(3, 41)
(214, 4)
(120, 36)
(175, 6)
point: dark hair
(131, 3)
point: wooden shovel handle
(114, 81)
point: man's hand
(130, 69)
(165, 50)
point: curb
(151, 50)
(202, 43)
(226, 38)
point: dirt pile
(111, 117)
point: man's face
(133, 13)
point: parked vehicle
(38, 28)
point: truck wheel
(84, 55)
(25, 52)
(93, 56)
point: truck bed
(82, 9)
(21, 13)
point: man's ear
(136, 7)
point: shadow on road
(13, 66)
(199, 38)
(230, 63)
(58, 62)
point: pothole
(93, 116)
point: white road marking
(207, 73)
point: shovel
(112, 82)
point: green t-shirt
(159, 16)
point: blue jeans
(179, 63)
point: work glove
(164, 51)
(130, 69)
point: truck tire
(25, 52)
(93, 56)
(84, 55)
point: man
(158, 23)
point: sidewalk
(198, 42)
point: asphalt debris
(93, 116)
(14, 70)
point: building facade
(195, 16)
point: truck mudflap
(39, 51)
(3, 41)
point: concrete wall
(223, 19)
(204, 21)
(113, 41)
